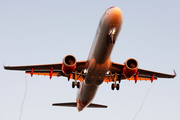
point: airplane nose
(117, 15)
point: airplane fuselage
(99, 57)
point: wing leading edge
(45, 69)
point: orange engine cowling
(68, 64)
(130, 67)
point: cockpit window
(112, 7)
(108, 9)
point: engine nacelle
(68, 64)
(130, 67)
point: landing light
(112, 31)
(85, 71)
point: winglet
(174, 73)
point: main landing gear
(115, 85)
(75, 83)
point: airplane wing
(143, 74)
(45, 69)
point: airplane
(88, 75)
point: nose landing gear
(111, 35)
(112, 41)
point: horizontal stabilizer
(74, 104)
(92, 105)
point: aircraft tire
(113, 41)
(112, 86)
(73, 84)
(117, 87)
(78, 84)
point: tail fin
(74, 104)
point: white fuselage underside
(99, 57)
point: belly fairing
(96, 72)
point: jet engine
(68, 64)
(130, 67)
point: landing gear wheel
(117, 87)
(112, 86)
(113, 41)
(73, 84)
(78, 84)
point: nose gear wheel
(112, 41)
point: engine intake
(130, 67)
(69, 64)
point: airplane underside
(99, 67)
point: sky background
(45, 31)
